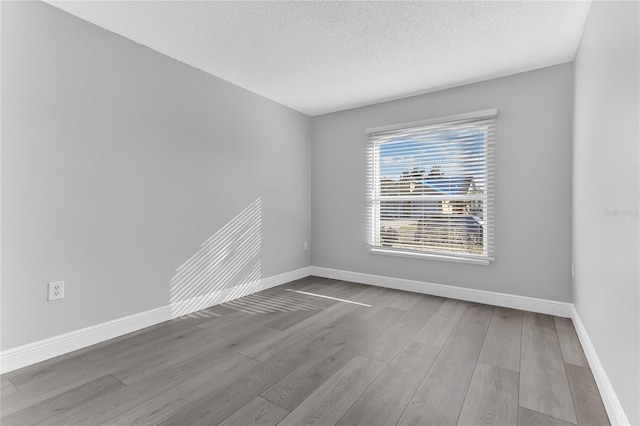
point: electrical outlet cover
(56, 290)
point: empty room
(320, 212)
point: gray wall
(606, 185)
(119, 162)
(533, 185)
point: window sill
(431, 256)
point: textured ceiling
(319, 57)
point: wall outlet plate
(56, 290)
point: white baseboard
(199, 303)
(543, 306)
(610, 400)
(287, 277)
(31, 353)
(28, 354)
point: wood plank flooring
(286, 357)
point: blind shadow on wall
(226, 266)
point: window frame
(374, 197)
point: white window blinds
(430, 188)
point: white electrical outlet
(306, 246)
(56, 290)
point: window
(430, 188)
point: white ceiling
(318, 57)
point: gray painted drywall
(606, 186)
(533, 185)
(119, 162)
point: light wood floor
(288, 358)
